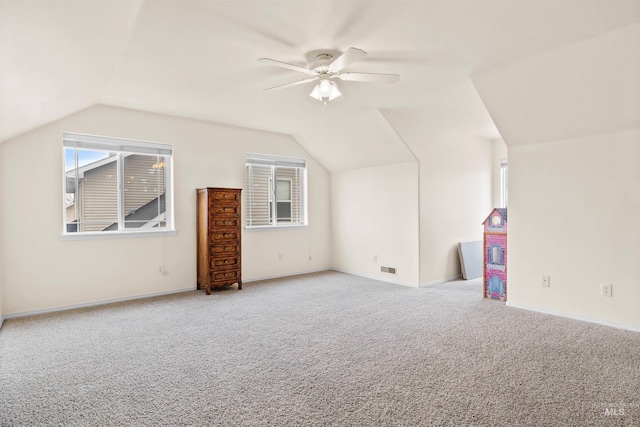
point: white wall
(41, 271)
(570, 118)
(1, 240)
(574, 215)
(375, 213)
(455, 182)
(455, 197)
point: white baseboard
(280, 276)
(438, 282)
(380, 278)
(574, 317)
(114, 300)
(96, 303)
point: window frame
(121, 148)
(276, 162)
(504, 184)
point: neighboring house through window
(115, 185)
(276, 191)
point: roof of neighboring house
(142, 215)
(70, 175)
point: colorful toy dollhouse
(495, 255)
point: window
(276, 191)
(504, 189)
(283, 200)
(115, 185)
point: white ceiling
(197, 59)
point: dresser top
(218, 188)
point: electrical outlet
(280, 257)
(375, 259)
(606, 289)
(546, 281)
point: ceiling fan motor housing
(321, 64)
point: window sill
(274, 227)
(116, 235)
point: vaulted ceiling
(198, 59)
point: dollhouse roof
(501, 211)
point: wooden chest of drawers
(219, 237)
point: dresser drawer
(219, 263)
(222, 195)
(224, 249)
(225, 276)
(224, 210)
(229, 222)
(217, 236)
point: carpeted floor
(325, 349)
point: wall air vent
(390, 270)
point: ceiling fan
(325, 69)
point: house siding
(144, 181)
(97, 206)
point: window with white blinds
(114, 185)
(275, 191)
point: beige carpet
(325, 349)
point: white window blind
(92, 142)
(275, 191)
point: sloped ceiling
(587, 88)
(197, 59)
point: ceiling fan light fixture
(334, 92)
(315, 93)
(325, 88)
(325, 91)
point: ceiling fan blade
(349, 56)
(370, 77)
(288, 66)
(292, 84)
